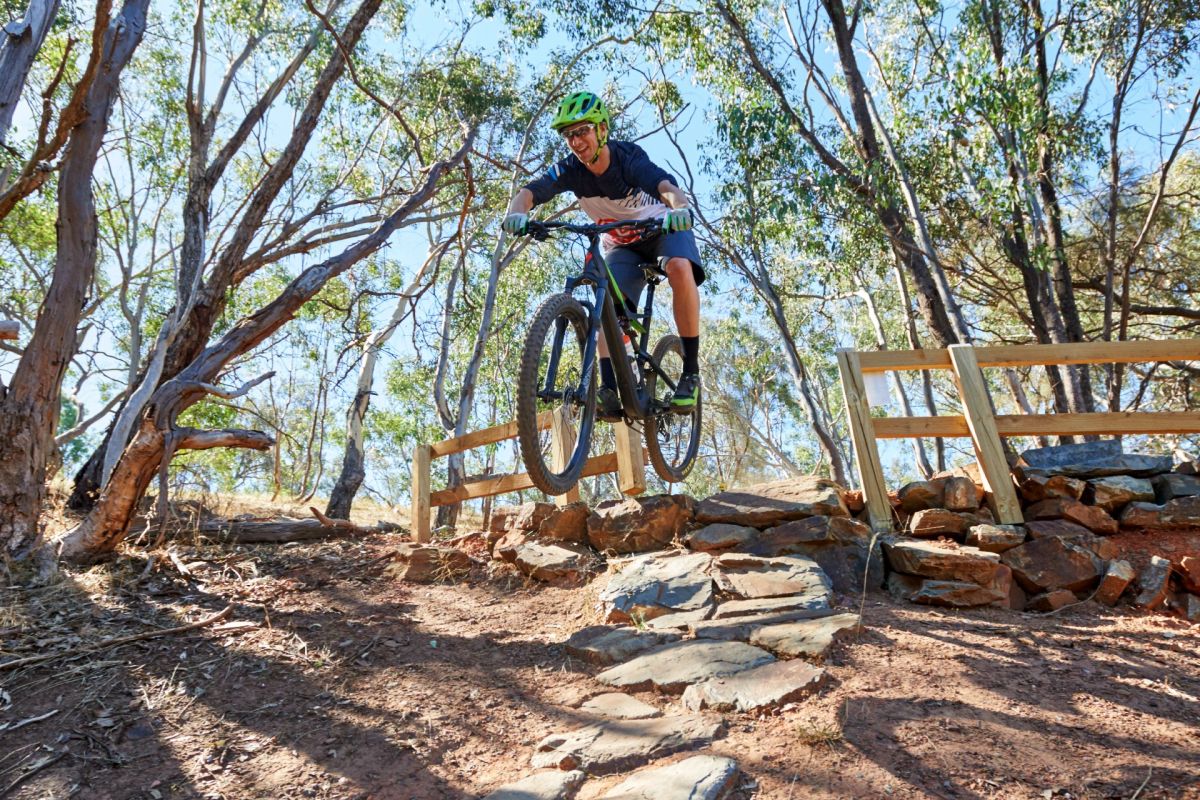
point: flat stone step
(612, 644)
(656, 584)
(673, 667)
(695, 778)
(768, 686)
(739, 628)
(751, 577)
(618, 705)
(742, 608)
(548, 785)
(613, 746)
(810, 639)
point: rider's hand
(677, 219)
(516, 224)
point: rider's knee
(679, 269)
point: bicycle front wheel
(672, 440)
(555, 413)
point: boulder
(960, 494)
(555, 562)
(1090, 517)
(942, 561)
(1182, 512)
(656, 584)
(1117, 577)
(854, 500)
(1154, 582)
(613, 746)
(1077, 535)
(1048, 487)
(426, 563)
(697, 778)
(1141, 515)
(767, 686)
(720, 536)
(548, 785)
(841, 546)
(1173, 484)
(1188, 570)
(958, 594)
(530, 516)
(671, 668)
(767, 504)
(506, 547)
(1138, 466)
(809, 638)
(1191, 608)
(995, 538)
(934, 523)
(612, 644)
(566, 524)
(1100, 451)
(903, 586)
(1051, 601)
(748, 577)
(1117, 491)
(920, 495)
(501, 518)
(638, 526)
(1051, 563)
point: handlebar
(541, 230)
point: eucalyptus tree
(23, 38)
(287, 208)
(29, 405)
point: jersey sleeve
(552, 183)
(643, 173)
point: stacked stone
(1074, 497)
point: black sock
(691, 353)
(607, 376)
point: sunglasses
(578, 131)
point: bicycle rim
(556, 339)
(672, 440)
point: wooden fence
(629, 462)
(9, 329)
(978, 420)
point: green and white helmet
(582, 107)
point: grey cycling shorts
(626, 261)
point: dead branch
(330, 522)
(117, 641)
(192, 439)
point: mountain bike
(558, 371)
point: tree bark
(29, 407)
(199, 303)
(106, 525)
(21, 42)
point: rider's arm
(672, 195)
(521, 203)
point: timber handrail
(980, 423)
(628, 461)
(9, 329)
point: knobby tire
(670, 470)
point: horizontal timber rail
(628, 462)
(978, 421)
(9, 329)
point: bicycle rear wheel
(551, 381)
(672, 440)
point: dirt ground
(331, 679)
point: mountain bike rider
(616, 180)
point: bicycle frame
(603, 317)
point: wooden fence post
(977, 408)
(631, 465)
(562, 438)
(419, 520)
(862, 433)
